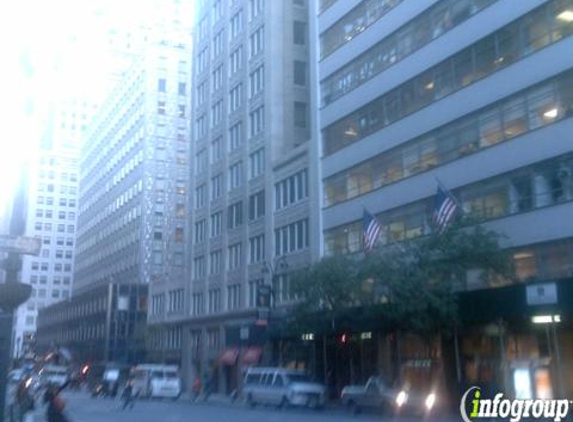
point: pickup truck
(376, 394)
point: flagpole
(454, 198)
(386, 231)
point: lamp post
(275, 270)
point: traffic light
(343, 338)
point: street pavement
(82, 408)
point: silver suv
(282, 387)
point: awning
(252, 355)
(229, 356)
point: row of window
(45, 266)
(51, 175)
(353, 23)
(72, 190)
(45, 253)
(47, 240)
(61, 228)
(256, 122)
(49, 200)
(438, 19)
(529, 33)
(55, 293)
(40, 213)
(541, 185)
(292, 237)
(162, 87)
(516, 115)
(34, 279)
(291, 190)
(256, 211)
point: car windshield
(298, 378)
(170, 374)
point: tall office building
(250, 217)
(479, 94)
(52, 215)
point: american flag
(445, 209)
(372, 229)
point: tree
(412, 286)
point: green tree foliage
(411, 286)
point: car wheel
(353, 407)
(250, 401)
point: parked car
(282, 387)
(54, 374)
(150, 380)
(105, 380)
(378, 395)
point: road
(82, 408)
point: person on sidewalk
(196, 388)
(25, 401)
(127, 396)
(56, 405)
(207, 386)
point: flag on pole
(445, 208)
(372, 229)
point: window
(257, 163)
(255, 8)
(218, 44)
(201, 161)
(218, 78)
(215, 262)
(160, 107)
(253, 287)
(199, 267)
(236, 24)
(214, 306)
(200, 127)
(201, 93)
(235, 97)
(300, 115)
(300, 73)
(162, 85)
(292, 237)
(235, 256)
(257, 205)
(200, 196)
(233, 297)
(236, 60)
(256, 121)
(216, 224)
(257, 249)
(200, 230)
(256, 42)
(235, 136)
(217, 113)
(216, 186)
(197, 305)
(216, 149)
(202, 60)
(235, 175)
(256, 81)
(291, 190)
(181, 111)
(217, 11)
(299, 33)
(235, 215)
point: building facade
(104, 324)
(52, 215)
(250, 215)
(477, 94)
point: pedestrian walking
(56, 405)
(196, 388)
(127, 396)
(207, 386)
(25, 401)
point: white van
(150, 380)
(282, 387)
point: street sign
(20, 244)
(541, 294)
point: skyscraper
(250, 218)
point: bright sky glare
(48, 48)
